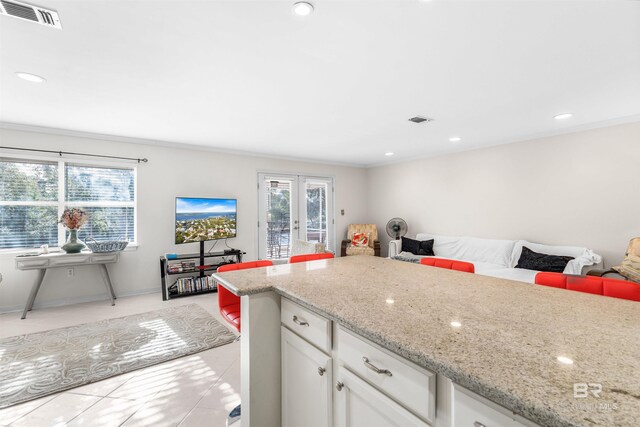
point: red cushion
(309, 257)
(594, 285)
(229, 303)
(449, 264)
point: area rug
(36, 365)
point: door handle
(299, 322)
(374, 368)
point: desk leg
(34, 292)
(107, 281)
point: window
(33, 195)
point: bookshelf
(186, 275)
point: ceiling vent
(420, 119)
(31, 13)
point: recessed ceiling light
(302, 8)
(390, 153)
(456, 324)
(565, 360)
(455, 139)
(30, 77)
(563, 116)
(390, 300)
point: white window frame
(62, 204)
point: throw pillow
(360, 239)
(531, 260)
(630, 267)
(417, 247)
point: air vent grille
(20, 11)
(420, 119)
(30, 13)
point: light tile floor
(196, 390)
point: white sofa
(498, 258)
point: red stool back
(449, 264)
(615, 288)
(310, 257)
(229, 303)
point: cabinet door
(306, 383)
(359, 404)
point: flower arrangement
(73, 218)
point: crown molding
(167, 144)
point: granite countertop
(510, 337)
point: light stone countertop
(507, 347)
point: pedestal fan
(396, 228)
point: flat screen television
(203, 219)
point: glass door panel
(293, 207)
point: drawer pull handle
(321, 371)
(339, 385)
(299, 322)
(478, 424)
(374, 368)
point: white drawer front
(29, 263)
(104, 258)
(310, 326)
(471, 410)
(69, 260)
(405, 382)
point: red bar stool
(310, 257)
(449, 264)
(229, 305)
(615, 288)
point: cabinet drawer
(27, 263)
(61, 261)
(104, 258)
(405, 382)
(310, 326)
(471, 410)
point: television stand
(182, 277)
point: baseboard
(76, 300)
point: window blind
(30, 204)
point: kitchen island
(520, 346)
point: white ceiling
(337, 86)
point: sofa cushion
(583, 257)
(417, 247)
(471, 249)
(531, 260)
(360, 250)
(360, 239)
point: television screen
(199, 219)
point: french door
(293, 207)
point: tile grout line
(39, 406)
(86, 409)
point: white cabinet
(471, 410)
(359, 404)
(307, 380)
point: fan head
(396, 228)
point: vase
(73, 245)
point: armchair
(374, 244)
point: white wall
(576, 189)
(170, 172)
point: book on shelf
(193, 284)
(181, 267)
